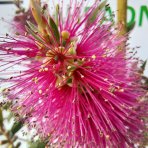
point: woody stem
(122, 15)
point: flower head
(70, 79)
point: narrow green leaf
(54, 29)
(1, 118)
(18, 145)
(144, 65)
(95, 12)
(34, 35)
(32, 26)
(16, 127)
(63, 42)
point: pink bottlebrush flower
(70, 79)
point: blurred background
(137, 12)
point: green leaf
(34, 35)
(130, 26)
(18, 145)
(144, 65)
(37, 144)
(1, 118)
(7, 105)
(95, 12)
(54, 29)
(10, 116)
(16, 127)
(32, 26)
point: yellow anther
(70, 74)
(6, 90)
(107, 137)
(48, 53)
(61, 49)
(65, 34)
(82, 76)
(93, 56)
(112, 89)
(40, 70)
(72, 51)
(64, 77)
(46, 69)
(40, 91)
(104, 55)
(35, 80)
(19, 107)
(83, 59)
(107, 50)
(121, 90)
(69, 67)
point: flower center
(64, 62)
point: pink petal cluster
(78, 89)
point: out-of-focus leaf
(16, 127)
(1, 118)
(7, 105)
(130, 26)
(54, 29)
(10, 146)
(95, 13)
(10, 116)
(3, 142)
(37, 144)
(144, 65)
(18, 145)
